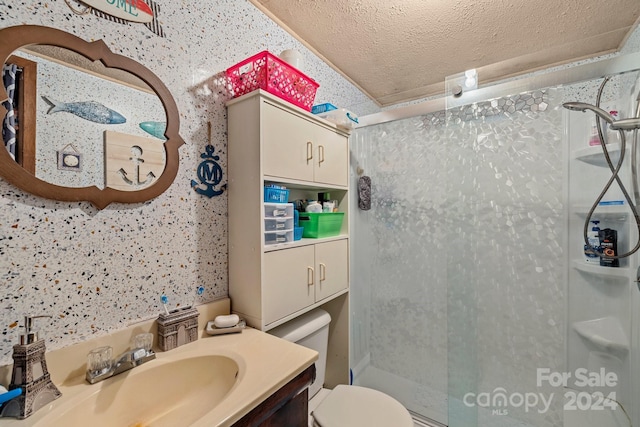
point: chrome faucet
(101, 366)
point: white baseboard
(361, 366)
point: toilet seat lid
(355, 406)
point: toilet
(351, 406)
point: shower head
(623, 124)
(581, 106)
(626, 124)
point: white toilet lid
(355, 406)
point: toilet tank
(310, 330)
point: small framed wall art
(69, 158)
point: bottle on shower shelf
(609, 245)
(595, 138)
(593, 237)
(610, 136)
(613, 136)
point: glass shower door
(505, 263)
(398, 292)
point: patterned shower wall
(467, 220)
(523, 102)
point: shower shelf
(608, 212)
(580, 265)
(595, 156)
(605, 333)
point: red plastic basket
(266, 71)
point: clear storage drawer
(277, 237)
(278, 224)
(278, 210)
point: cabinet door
(287, 149)
(332, 268)
(288, 282)
(331, 159)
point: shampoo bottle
(613, 136)
(595, 138)
(609, 245)
(593, 237)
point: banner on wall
(123, 12)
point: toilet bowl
(351, 406)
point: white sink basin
(159, 393)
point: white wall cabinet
(271, 141)
(332, 272)
(297, 278)
(288, 282)
(297, 148)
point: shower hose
(615, 169)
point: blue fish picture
(156, 129)
(89, 110)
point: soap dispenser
(30, 374)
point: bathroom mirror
(92, 125)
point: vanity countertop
(270, 364)
(265, 364)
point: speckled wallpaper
(98, 271)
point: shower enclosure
(472, 301)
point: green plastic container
(318, 225)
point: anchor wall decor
(132, 162)
(209, 171)
(137, 160)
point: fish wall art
(88, 110)
(156, 129)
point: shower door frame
(541, 80)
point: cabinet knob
(320, 154)
(323, 272)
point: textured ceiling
(398, 50)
